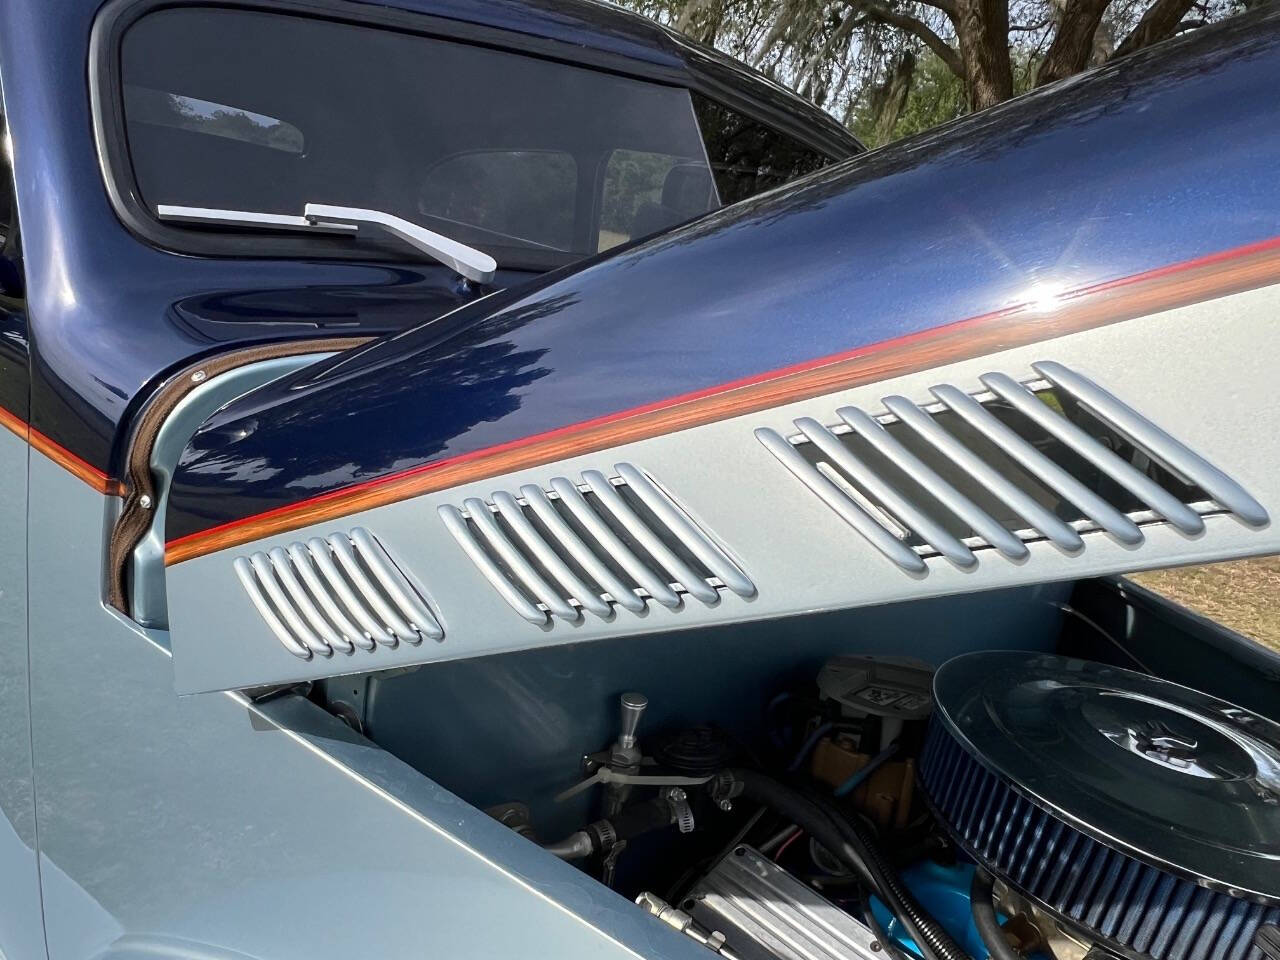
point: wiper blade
(325, 218)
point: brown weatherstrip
(1168, 287)
(135, 519)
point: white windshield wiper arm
(325, 218)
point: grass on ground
(1243, 595)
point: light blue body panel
(202, 827)
(21, 931)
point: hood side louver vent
(592, 546)
(1042, 460)
(336, 594)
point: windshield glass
(533, 161)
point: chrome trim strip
(688, 532)
(904, 510)
(283, 567)
(1105, 515)
(694, 584)
(1041, 520)
(550, 560)
(1156, 442)
(654, 585)
(249, 580)
(483, 518)
(391, 619)
(545, 510)
(986, 526)
(457, 526)
(352, 636)
(372, 632)
(834, 497)
(401, 592)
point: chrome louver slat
(334, 595)
(908, 528)
(591, 545)
(1038, 465)
(987, 526)
(1162, 446)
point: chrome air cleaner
(1144, 814)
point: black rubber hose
(908, 909)
(834, 832)
(982, 902)
(637, 819)
(895, 893)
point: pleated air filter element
(1143, 814)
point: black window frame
(106, 95)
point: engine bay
(820, 801)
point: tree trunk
(982, 27)
(1073, 43)
(1157, 24)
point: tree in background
(891, 67)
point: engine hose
(932, 937)
(890, 946)
(932, 932)
(854, 848)
(982, 902)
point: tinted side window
(528, 195)
(748, 157)
(645, 193)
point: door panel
(21, 923)
(21, 927)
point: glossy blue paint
(1103, 177)
(111, 315)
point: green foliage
(937, 95)
(847, 55)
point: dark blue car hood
(1110, 176)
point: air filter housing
(1143, 814)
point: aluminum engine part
(767, 914)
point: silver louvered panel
(584, 546)
(1164, 448)
(857, 491)
(336, 595)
